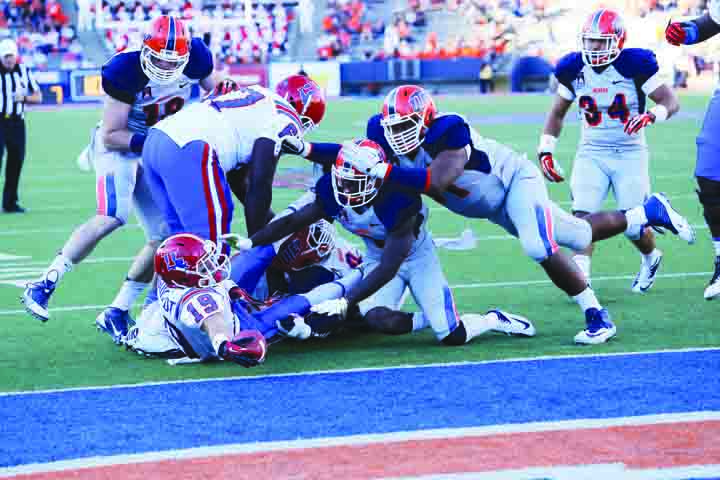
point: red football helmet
(306, 97)
(186, 260)
(165, 50)
(306, 247)
(352, 187)
(408, 110)
(602, 37)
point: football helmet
(186, 260)
(352, 187)
(306, 97)
(602, 37)
(408, 111)
(307, 246)
(165, 50)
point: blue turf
(74, 424)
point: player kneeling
(400, 254)
(195, 307)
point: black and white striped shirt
(12, 81)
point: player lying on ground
(444, 157)
(707, 168)
(400, 253)
(142, 86)
(203, 315)
(611, 86)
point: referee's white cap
(8, 47)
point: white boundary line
(362, 370)
(355, 440)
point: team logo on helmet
(418, 100)
(174, 262)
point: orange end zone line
(637, 446)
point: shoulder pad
(325, 195)
(376, 133)
(451, 129)
(124, 74)
(569, 66)
(200, 64)
(636, 63)
(392, 206)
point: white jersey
(608, 97)
(124, 80)
(714, 10)
(184, 311)
(232, 123)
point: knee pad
(391, 322)
(708, 192)
(457, 337)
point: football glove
(226, 86)
(638, 122)
(248, 349)
(364, 161)
(294, 326)
(681, 33)
(237, 242)
(550, 167)
(293, 145)
(337, 306)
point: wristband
(218, 340)
(661, 113)
(547, 143)
(136, 143)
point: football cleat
(660, 213)
(294, 326)
(114, 322)
(511, 324)
(713, 288)
(37, 295)
(646, 276)
(599, 327)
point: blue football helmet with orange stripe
(408, 111)
(602, 37)
(165, 50)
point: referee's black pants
(12, 139)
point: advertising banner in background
(326, 74)
(246, 75)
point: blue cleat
(599, 328)
(36, 297)
(114, 322)
(660, 213)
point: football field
(68, 353)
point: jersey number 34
(618, 110)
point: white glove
(364, 160)
(338, 306)
(292, 144)
(238, 242)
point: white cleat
(599, 328)
(646, 276)
(713, 289)
(511, 324)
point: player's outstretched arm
(692, 32)
(287, 225)
(445, 168)
(263, 163)
(115, 133)
(396, 249)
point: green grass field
(68, 351)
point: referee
(17, 87)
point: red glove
(676, 34)
(248, 349)
(550, 167)
(638, 122)
(226, 86)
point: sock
(476, 324)
(60, 265)
(636, 220)
(650, 257)
(716, 244)
(587, 299)
(583, 263)
(419, 321)
(128, 293)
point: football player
(241, 130)
(142, 86)
(203, 315)
(400, 253)
(445, 158)
(611, 85)
(707, 168)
